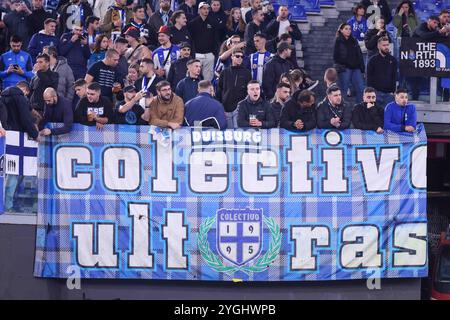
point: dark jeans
(384, 98)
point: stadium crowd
(221, 64)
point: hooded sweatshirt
(65, 79)
(39, 41)
(19, 112)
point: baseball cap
(165, 30)
(201, 4)
(130, 88)
(133, 32)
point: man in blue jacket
(57, 109)
(76, 49)
(204, 110)
(399, 116)
(43, 38)
(15, 65)
(187, 88)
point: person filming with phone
(15, 65)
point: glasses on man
(239, 56)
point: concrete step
(317, 20)
(329, 12)
(344, 5)
(304, 27)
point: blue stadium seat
(296, 12)
(426, 8)
(287, 3)
(326, 2)
(311, 6)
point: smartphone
(15, 66)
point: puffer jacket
(348, 53)
(65, 79)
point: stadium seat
(311, 6)
(426, 8)
(296, 11)
(325, 3)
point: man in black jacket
(203, 32)
(382, 73)
(282, 25)
(332, 112)
(253, 111)
(37, 17)
(74, 13)
(18, 111)
(57, 109)
(44, 78)
(273, 69)
(430, 31)
(299, 112)
(148, 35)
(279, 100)
(161, 17)
(254, 27)
(373, 35)
(232, 86)
(368, 115)
(178, 69)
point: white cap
(201, 4)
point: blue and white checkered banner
(256, 205)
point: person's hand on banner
(380, 130)
(409, 129)
(45, 132)
(99, 126)
(2, 132)
(173, 125)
